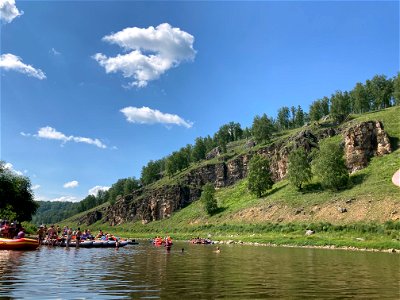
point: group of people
(54, 234)
(158, 240)
(11, 230)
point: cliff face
(361, 142)
(364, 141)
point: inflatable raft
(18, 244)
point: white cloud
(65, 199)
(54, 52)
(9, 11)
(70, 185)
(12, 62)
(146, 115)
(152, 52)
(94, 190)
(10, 168)
(35, 187)
(52, 134)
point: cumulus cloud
(146, 115)
(52, 134)
(14, 63)
(70, 185)
(94, 190)
(65, 199)
(10, 168)
(9, 11)
(151, 52)
(35, 187)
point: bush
(330, 168)
(299, 169)
(208, 198)
(259, 179)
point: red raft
(18, 244)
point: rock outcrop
(360, 142)
(364, 141)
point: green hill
(366, 214)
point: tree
(259, 179)
(360, 99)
(262, 128)
(293, 111)
(299, 117)
(152, 172)
(131, 184)
(299, 169)
(17, 199)
(396, 89)
(199, 150)
(319, 109)
(340, 106)
(283, 118)
(380, 90)
(329, 166)
(228, 133)
(208, 199)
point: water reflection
(244, 272)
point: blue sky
(91, 91)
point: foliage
(228, 133)
(152, 171)
(51, 212)
(380, 90)
(283, 117)
(340, 106)
(16, 195)
(299, 169)
(199, 150)
(262, 128)
(329, 166)
(208, 199)
(259, 178)
(396, 89)
(360, 99)
(319, 109)
(122, 187)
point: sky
(93, 90)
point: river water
(238, 272)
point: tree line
(377, 93)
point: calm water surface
(241, 272)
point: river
(243, 272)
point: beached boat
(18, 244)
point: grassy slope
(247, 218)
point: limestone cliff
(361, 142)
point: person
(100, 234)
(21, 233)
(218, 250)
(69, 237)
(78, 237)
(41, 234)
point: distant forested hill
(53, 212)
